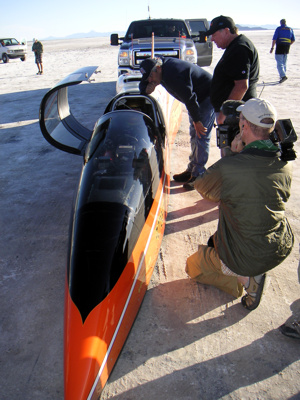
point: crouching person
(252, 187)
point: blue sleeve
(292, 35)
(185, 93)
(275, 36)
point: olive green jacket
(252, 187)
(37, 47)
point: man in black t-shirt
(236, 74)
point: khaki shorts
(204, 266)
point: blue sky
(32, 18)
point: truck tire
(5, 58)
(23, 58)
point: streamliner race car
(118, 219)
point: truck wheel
(5, 58)
(23, 58)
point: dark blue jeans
(200, 146)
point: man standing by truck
(189, 84)
(37, 48)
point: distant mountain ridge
(93, 34)
(82, 35)
(256, 27)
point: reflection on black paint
(123, 165)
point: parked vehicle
(183, 39)
(10, 49)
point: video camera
(227, 131)
(284, 135)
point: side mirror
(201, 38)
(114, 39)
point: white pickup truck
(183, 39)
(10, 48)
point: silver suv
(10, 48)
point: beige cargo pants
(204, 266)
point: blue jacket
(284, 37)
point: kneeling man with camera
(251, 187)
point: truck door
(203, 44)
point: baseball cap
(220, 22)
(145, 68)
(255, 110)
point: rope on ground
(264, 84)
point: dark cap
(146, 67)
(219, 23)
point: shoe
(183, 177)
(210, 242)
(254, 292)
(293, 332)
(190, 184)
(283, 79)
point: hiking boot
(283, 79)
(183, 177)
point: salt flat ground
(189, 341)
